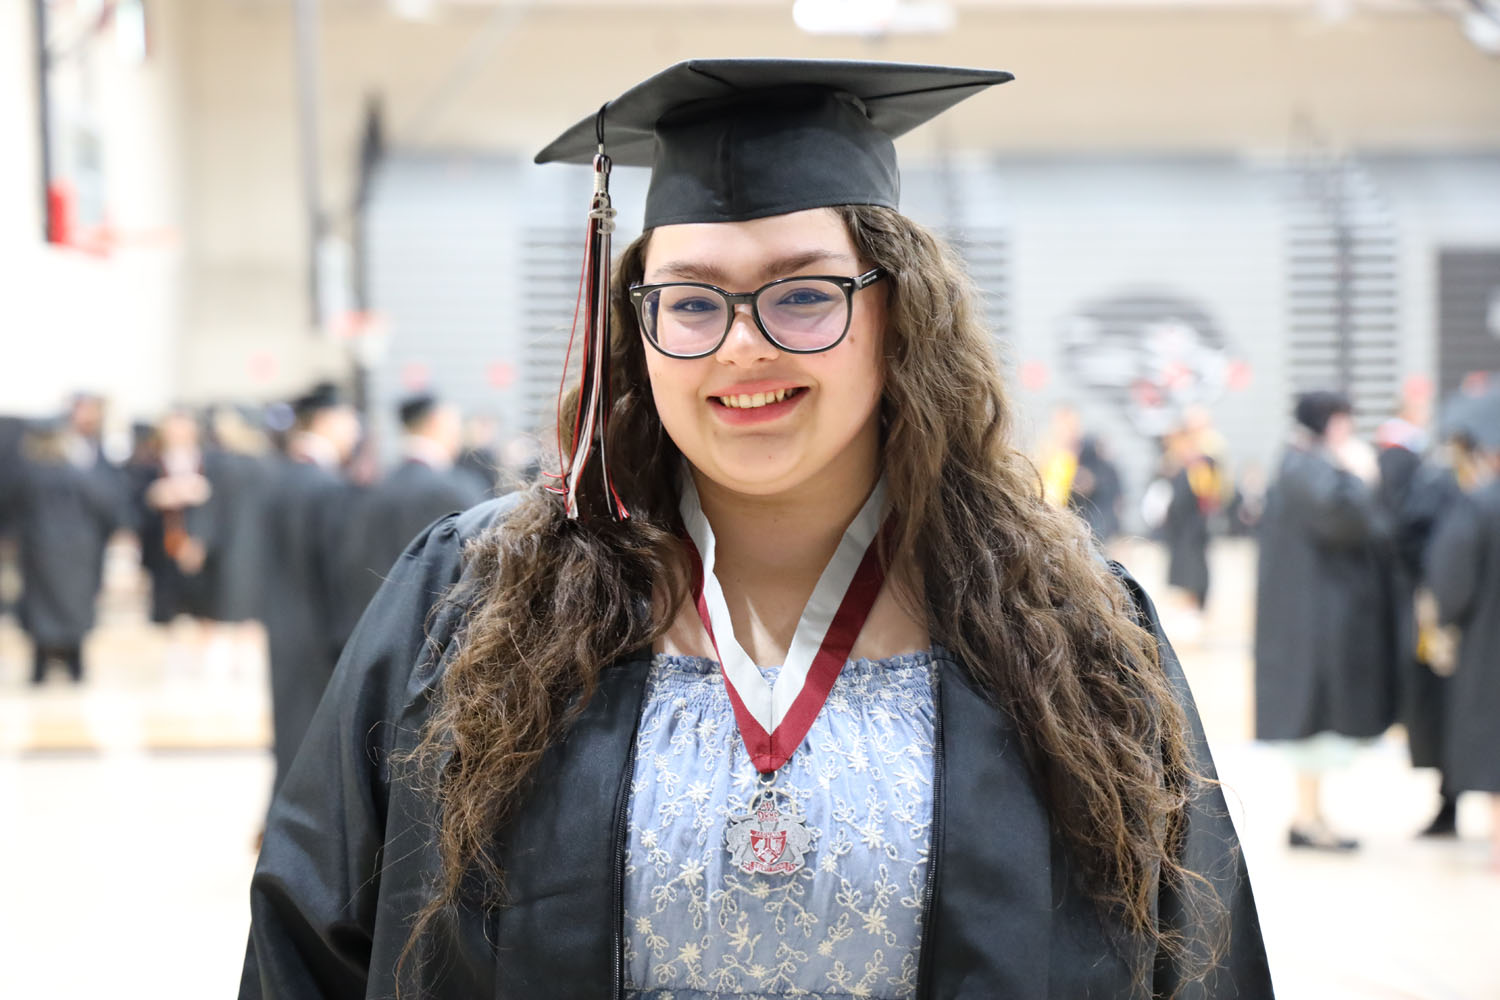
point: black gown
(1186, 532)
(173, 591)
(12, 432)
(1326, 628)
(235, 569)
(1097, 491)
(1415, 493)
(1463, 569)
(348, 849)
(390, 514)
(64, 516)
(305, 513)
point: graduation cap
(736, 139)
(729, 140)
(416, 407)
(1315, 409)
(323, 396)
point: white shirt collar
(314, 448)
(416, 448)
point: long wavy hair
(1013, 587)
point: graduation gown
(1463, 570)
(391, 513)
(1096, 496)
(1415, 493)
(1326, 629)
(173, 592)
(64, 516)
(304, 591)
(12, 430)
(348, 850)
(1186, 533)
(235, 569)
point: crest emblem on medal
(772, 839)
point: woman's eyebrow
(798, 262)
(689, 270)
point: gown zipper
(622, 829)
(934, 840)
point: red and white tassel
(590, 422)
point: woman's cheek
(675, 400)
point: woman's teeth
(758, 399)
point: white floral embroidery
(847, 925)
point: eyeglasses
(804, 315)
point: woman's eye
(803, 297)
(698, 305)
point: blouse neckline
(691, 664)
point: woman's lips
(741, 410)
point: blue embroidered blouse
(849, 923)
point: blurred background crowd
(213, 503)
(282, 286)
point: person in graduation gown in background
(238, 466)
(1417, 486)
(1463, 570)
(67, 504)
(423, 486)
(174, 519)
(1327, 630)
(1097, 492)
(12, 434)
(1196, 496)
(479, 459)
(794, 684)
(306, 512)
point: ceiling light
(874, 17)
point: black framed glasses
(801, 315)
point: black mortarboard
(414, 408)
(1315, 409)
(323, 396)
(735, 139)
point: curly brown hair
(1013, 587)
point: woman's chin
(759, 475)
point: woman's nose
(745, 344)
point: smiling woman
(842, 708)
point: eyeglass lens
(804, 314)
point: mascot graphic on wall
(1152, 355)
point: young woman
(843, 708)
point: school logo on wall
(1150, 355)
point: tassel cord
(590, 424)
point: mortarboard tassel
(590, 422)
